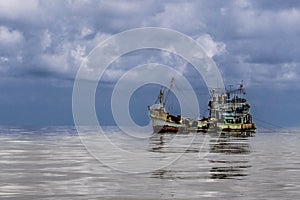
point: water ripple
(52, 163)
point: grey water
(58, 163)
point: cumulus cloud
(181, 16)
(3, 59)
(46, 40)
(211, 47)
(16, 10)
(244, 37)
(9, 36)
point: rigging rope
(274, 127)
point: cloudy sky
(43, 42)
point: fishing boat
(164, 122)
(228, 111)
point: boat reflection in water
(229, 156)
(209, 156)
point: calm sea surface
(53, 163)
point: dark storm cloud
(257, 37)
(54, 36)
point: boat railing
(228, 106)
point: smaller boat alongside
(229, 111)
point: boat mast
(161, 97)
(169, 91)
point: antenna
(241, 87)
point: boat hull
(162, 126)
(165, 129)
(237, 127)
